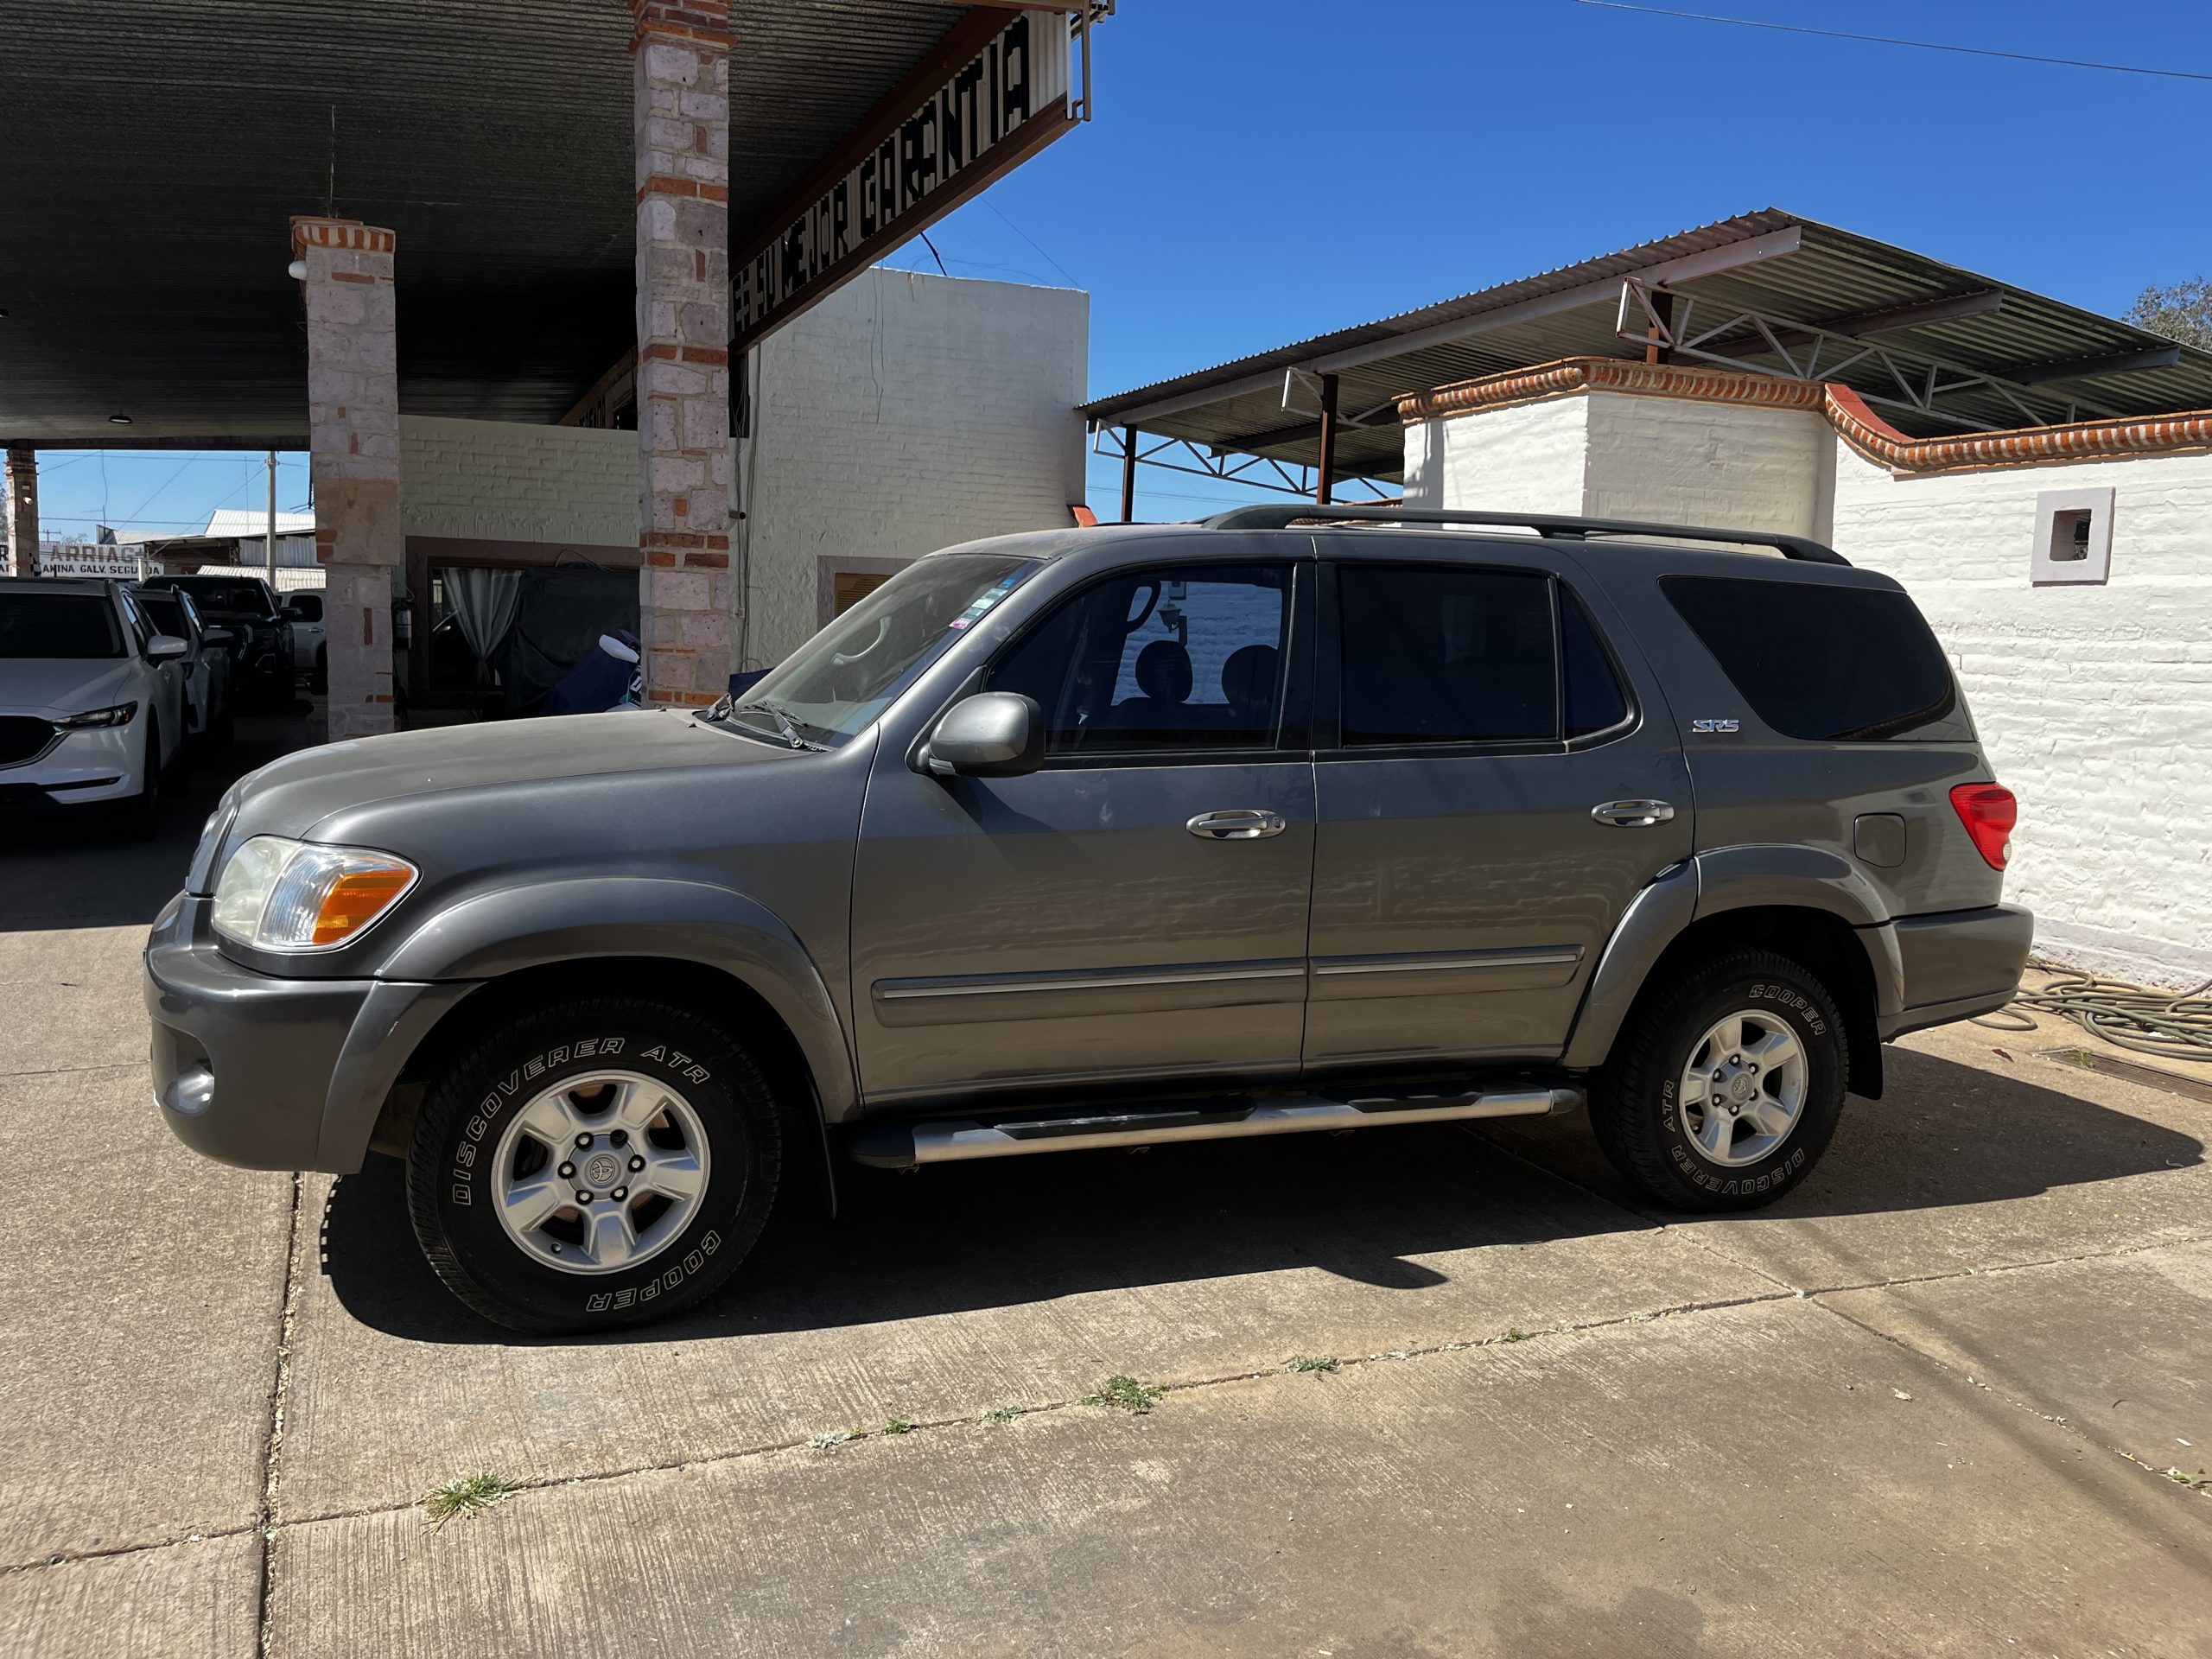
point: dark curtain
(563, 611)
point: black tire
(1642, 1126)
(452, 1157)
(140, 817)
(227, 728)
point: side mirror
(995, 735)
(166, 648)
(217, 636)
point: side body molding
(488, 935)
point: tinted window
(1824, 663)
(1181, 657)
(52, 626)
(239, 596)
(307, 607)
(1446, 656)
(165, 613)
(1593, 698)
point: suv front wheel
(593, 1164)
(1724, 1090)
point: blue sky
(1258, 172)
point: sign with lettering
(91, 559)
(917, 161)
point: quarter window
(1445, 655)
(1823, 662)
(1178, 658)
(1591, 697)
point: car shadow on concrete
(1365, 1206)
(70, 867)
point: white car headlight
(295, 896)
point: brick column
(354, 458)
(22, 512)
(681, 123)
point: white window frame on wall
(2058, 512)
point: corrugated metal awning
(2057, 360)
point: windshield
(243, 597)
(835, 684)
(54, 626)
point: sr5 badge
(1711, 726)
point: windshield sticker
(989, 597)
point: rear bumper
(270, 1073)
(1958, 963)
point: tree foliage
(2183, 312)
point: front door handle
(1237, 823)
(1632, 815)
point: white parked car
(92, 699)
(311, 655)
(209, 714)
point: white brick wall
(2094, 703)
(1727, 465)
(497, 481)
(902, 413)
(1528, 458)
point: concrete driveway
(1925, 1406)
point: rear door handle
(1237, 823)
(1632, 815)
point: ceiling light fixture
(119, 420)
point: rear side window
(1826, 663)
(1444, 655)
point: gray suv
(1111, 838)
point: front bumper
(272, 1073)
(1958, 963)
(79, 767)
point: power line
(1890, 40)
(1030, 239)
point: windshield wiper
(785, 728)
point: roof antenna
(934, 255)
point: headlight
(295, 896)
(118, 715)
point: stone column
(22, 512)
(681, 124)
(354, 458)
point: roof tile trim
(1857, 424)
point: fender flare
(1710, 884)
(489, 935)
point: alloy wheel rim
(1743, 1088)
(600, 1173)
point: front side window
(1825, 663)
(50, 626)
(1441, 654)
(166, 612)
(1177, 658)
(833, 687)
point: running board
(907, 1144)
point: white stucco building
(2038, 477)
(901, 414)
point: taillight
(1989, 811)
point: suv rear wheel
(593, 1164)
(1723, 1091)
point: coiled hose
(2174, 1027)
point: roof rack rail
(1554, 525)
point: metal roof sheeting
(155, 155)
(1830, 273)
